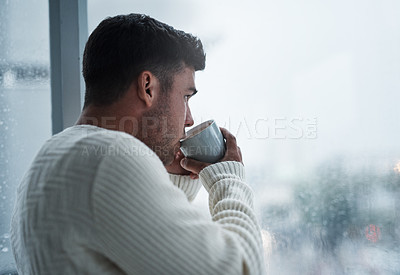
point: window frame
(68, 35)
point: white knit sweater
(97, 201)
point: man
(98, 198)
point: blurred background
(310, 88)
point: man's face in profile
(171, 114)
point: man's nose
(189, 119)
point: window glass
(310, 88)
(25, 115)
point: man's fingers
(233, 152)
(230, 139)
(193, 166)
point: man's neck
(110, 118)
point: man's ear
(148, 87)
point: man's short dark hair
(122, 47)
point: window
(25, 113)
(311, 91)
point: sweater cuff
(188, 185)
(221, 170)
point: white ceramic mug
(204, 142)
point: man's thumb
(192, 165)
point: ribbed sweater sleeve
(145, 225)
(231, 206)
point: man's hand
(176, 168)
(232, 153)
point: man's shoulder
(92, 136)
(93, 144)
